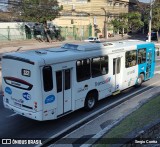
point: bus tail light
(35, 104)
(2, 93)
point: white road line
(12, 115)
(87, 117)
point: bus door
(117, 73)
(63, 83)
(149, 64)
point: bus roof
(69, 52)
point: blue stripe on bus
(142, 68)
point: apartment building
(81, 13)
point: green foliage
(156, 17)
(131, 21)
(145, 10)
(134, 21)
(146, 114)
(116, 24)
(37, 10)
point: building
(83, 18)
(97, 13)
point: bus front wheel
(90, 101)
(140, 80)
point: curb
(141, 133)
(100, 135)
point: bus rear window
(47, 78)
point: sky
(145, 1)
(2, 5)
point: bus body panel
(49, 87)
(21, 89)
(147, 67)
(61, 95)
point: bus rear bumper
(32, 115)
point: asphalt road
(16, 126)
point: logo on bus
(26, 96)
(103, 82)
(131, 72)
(8, 90)
(50, 99)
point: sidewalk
(88, 134)
(11, 46)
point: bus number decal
(26, 72)
(50, 99)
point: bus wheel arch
(140, 79)
(91, 99)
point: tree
(145, 8)
(156, 18)
(119, 23)
(134, 21)
(37, 11)
(5, 17)
(129, 21)
(116, 25)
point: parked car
(92, 39)
(153, 36)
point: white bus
(49, 83)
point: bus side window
(131, 58)
(67, 79)
(141, 56)
(96, 67)
(157, 49)
(104, 65)
(83, 70)
(47, 78)
(118, 65)
(99, 66)
(59, 81)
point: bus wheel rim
(139, 80)
(91, 102)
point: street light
(150, 22)
(105, 24)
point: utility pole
(105, 24)
(150, 22)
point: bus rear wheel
(90, 101)
(140, 80)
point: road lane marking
(94, 113)
(12, 115)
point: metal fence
(12, 34)
(65, 33)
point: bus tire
(90, 101)
(140, 80)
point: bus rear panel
(20, 95)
